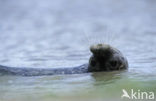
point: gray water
(58, 33)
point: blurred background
(58, 33)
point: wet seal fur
(104, 58)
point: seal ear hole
(113, 63)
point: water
(58, 33)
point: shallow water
(37, 33)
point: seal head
(106, 58)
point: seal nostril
(99, 44)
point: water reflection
(104, 78)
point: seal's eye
(113, 63)
(93, 63)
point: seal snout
(100, 49)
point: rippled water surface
(58, 33)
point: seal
(104, 58)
